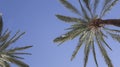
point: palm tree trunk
(115, 22)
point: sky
(37, 19)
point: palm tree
(11, 55)
(90, 27)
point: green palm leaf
(17, 62)
(87, 48)
(85, 15)
(94, 53)
(68, 19)
(69, 6)
(96, 2)
(12, 40)
(4, 64)
(87, 3)
(1, 24)
(108, 5)
(115, 36)
(103, 51)
(81, 41)
(19, 48)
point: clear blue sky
(36, 18)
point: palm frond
(86, 16)
(69, 6)
(1, 24)
(14, 56)
(104, 53)
(94, 53)
(16, 37)
(19, 48)
(68, 19)
(87, 3)
(5, 37)
(10, 41)
(105, 3)
(87, 48)
(108, 5)
(113, 33)
(68, 36)
(81, 41)
(17, 62)
(77, 26)
(111, 30)
(21, 53)
(4, 64)
(10, 55)
(115, 36)
(96, 2)
(103, 41)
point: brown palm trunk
(115, 22)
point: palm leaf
(115, 36)
(12, 40)
(108, 6)
(103, 51)
(81, 40)
(4, 64)
(86, 17)
(19, 48)
(77, 26)
(102, 39)
(94, 53)
(68, 19)
(87, 3)
(111, 30)
(69, 6)
(14, 56)
(16, 37)
(96, 2)
(105, 3)
(17, 62)
(68, 36)
(87, 48)
(5, 37)
(1, 24)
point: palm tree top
(90, 27)
(11, 55)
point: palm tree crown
(90, 28)
(11, 55)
